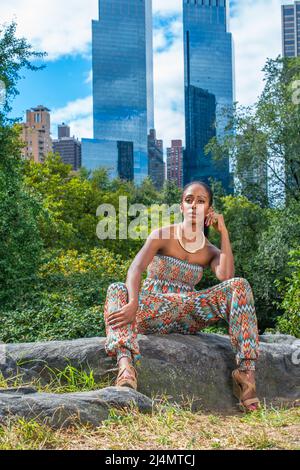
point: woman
(168, 302)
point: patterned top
(169, 274)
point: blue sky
(63, 30)
(61, 81)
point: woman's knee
(239, 282)
(116, 287)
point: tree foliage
(263, 140)
(20, 242)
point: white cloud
(61, 28)
(78, 115)
(89, 77)
(169, 89)
(159, 39)
(166, 7)
(64, 28)
(57, 27)
(256, 28)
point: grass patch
(169, 426)
(20, 434)
(68, 380)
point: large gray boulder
(183, 368)
(60, 411)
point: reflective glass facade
(123, 78)
(125, 160)
(291, 30)
(209, 85)
(116, 156)
(99, 152)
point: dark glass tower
(209, 86)
(125, 161)
(156, 168)
(122, 85)
(291, 29)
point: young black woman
(168, 302)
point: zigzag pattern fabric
(169, 303)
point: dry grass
(169, 427)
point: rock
(183, 368)
(122, 397)
(60, 411)
(278, 338)
(18, 390)
(57, 411)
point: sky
(63, 30)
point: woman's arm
(139, 264)
(222, 263)
(127, 313)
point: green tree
(170, 193)
(289, 322)
(261, 239)
(270, 263)
(70, 203)
(99, 178)
(145, 193)
(20, 243)
(15, 55)
(264, 139)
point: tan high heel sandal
(130, 381)
(239, 392)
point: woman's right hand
(123, 316)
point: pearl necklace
(179, 238)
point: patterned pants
(231, 300)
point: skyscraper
(36, 134)
(291, 30)
(69, 148)
(156, 168)
(122, 84)
(63, 130)
(125, 160)
(209, 86)
(174, 162)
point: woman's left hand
(215, 220)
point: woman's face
(195, 203)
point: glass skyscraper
(209, 86)
(291, 30)
(122, 85)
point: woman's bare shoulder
(163, 232)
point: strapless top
(169, 274)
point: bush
(289, 322)
(67, 300)
(261, 240)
